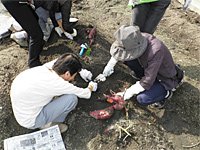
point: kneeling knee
(143, 99)
(73, 99)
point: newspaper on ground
(46, 139)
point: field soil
(176, 126)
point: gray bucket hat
(129, 44)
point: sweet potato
(92, 34)
(116, 98)
(103, 113)
(118, 107)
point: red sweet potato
(103, 113)
(92, 34)
(91, 41)
(115, 97)
(118, 107)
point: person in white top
(33, 91)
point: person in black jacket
(23, 11)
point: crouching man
(151, 63)
(33, 90)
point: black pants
(148, 15)
(28, 19)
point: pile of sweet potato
(116, 100)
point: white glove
(86, 75)
(93, 85)
(59, 31)
(134, 89)
(121, 93)
(109, 69)
(99, 78)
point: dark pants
(155, 94)
(28, 19)
(148, 15)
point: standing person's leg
(42, 17)
(53, 19)
(56, 110)
(155, 94)
(58, 17)
(44, 22)
(139, 15)
(155, 14)
(28, 19)
(136, 67)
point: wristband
(91, 86)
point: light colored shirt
(32, 89)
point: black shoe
(169, 95)
(5, 34)
(133, 75)
(162, 103)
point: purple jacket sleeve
(158, 65)
(151, 72)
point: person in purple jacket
(151, 63)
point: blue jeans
(58, 16)
(155, 94)
(43, 16)
(56, 110)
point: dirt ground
(176, 126)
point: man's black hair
(67, 62)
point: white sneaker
(73, 19)
(162, 103)
(74, 33)
(68, 35)
(59, 31)
(21, 41)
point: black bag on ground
(179, 75)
